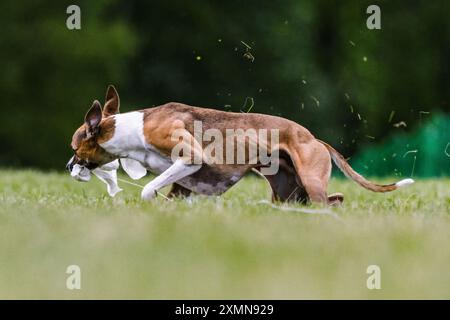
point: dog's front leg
(178, 170)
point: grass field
(219, 247)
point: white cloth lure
(80, 173)
(108, 173)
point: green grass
(219, 247)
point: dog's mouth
(80, 169)
(106, 173)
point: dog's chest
(128, 141)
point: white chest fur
(129, 142)
(128, 134)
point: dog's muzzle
(75, 160)
(78, 171)
(106, 173)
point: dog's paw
(148, 194)
(335, 199)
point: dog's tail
(343, 165)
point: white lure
(108, 173)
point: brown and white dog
(144, 140)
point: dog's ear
(112, 102)
(92, 119)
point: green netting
(423, 153)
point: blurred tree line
(314, 62)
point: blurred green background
(380, 97)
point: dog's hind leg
(312, 162)
(178, 170)
(178, 191)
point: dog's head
(98, 127)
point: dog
(144, 140)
